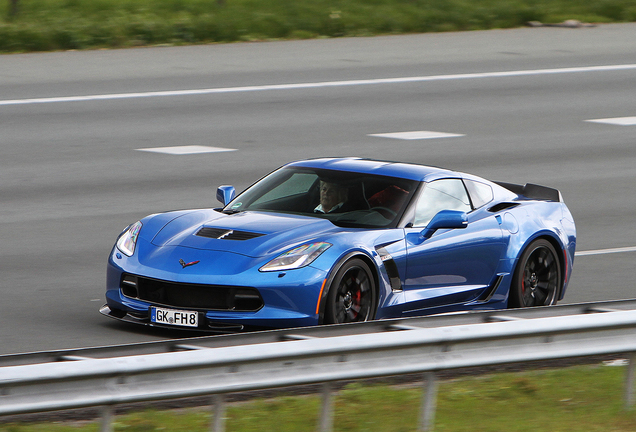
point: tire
(537, 278)
(352, 295)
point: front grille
(227, 234)
(195, 296)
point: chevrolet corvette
(339, 240)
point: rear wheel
(537, 278)
(352, 294)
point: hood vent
(227, 234)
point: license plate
(174, 317)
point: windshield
(345, 198)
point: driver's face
(330, 195)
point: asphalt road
(72, 175)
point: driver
(332, 197)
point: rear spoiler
(533, 191)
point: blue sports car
(341, 240)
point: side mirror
(445, 219)
(225, 194)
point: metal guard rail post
(219, 371)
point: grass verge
(581, 398)
(44, 25)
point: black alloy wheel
(352, 295)
(537, 278)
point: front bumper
(212, 324)
(289, 299)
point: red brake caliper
(523, 283)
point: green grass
(582, 398)
(43, 25)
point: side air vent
(391, 268)
(502, 206)
(227, 234)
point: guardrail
(107, 382)
(189, 343)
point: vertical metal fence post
(218, 422)
(106, 424)
(629, 381)
(429, 402)
(326, 411)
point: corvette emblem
(185, 264)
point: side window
(447, 194)
(480, 193)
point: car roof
(384, 168)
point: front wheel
(352, 294)
(537, 278)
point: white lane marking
(620, 121)
(606, 251)
(319, 84)
(186, 150)
(617, 362)
(416, 135)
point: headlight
(128, 240)
(297, 257)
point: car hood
(254, 234)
